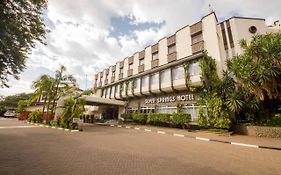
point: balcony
(141, 68)
(121, 64)
(96, 76)
(120, 76)
(154, 63)
(154, 48)
(131, 60)
(106, 71)
(106, 82)
(171, 40)
(172, 57)
(142, 54)
(100, 84)
(130, 72)
(196, 28)
(197, 47)
(112, 79)
(113, 69)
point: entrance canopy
(98, 101)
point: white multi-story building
(153, 79)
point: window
(130, 66)
(141, 61)
(229, 34)
(155, 56)
(171, 48)
(194, 69)
(137, 83)
(196, 38)
(108, 92)
(178, 73)
(224, 36)
(155, 79)
(166, 76)
(121, 71)
(116, 89)
(145, 81)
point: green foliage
(72, 108)
(132, 86)
(180, 119)
(54, 123)
(127, 87)
(158, 119)
(11, 102)
(139, 118)
(35, 117)
(21, 27)
(127, 116)
(186, 72)
(2, 110)
(202, 118)
(275, 121)
(22, 104)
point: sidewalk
(210, 136)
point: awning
(98, 101)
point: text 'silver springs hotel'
(153, 79)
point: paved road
(112, 150)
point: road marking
(178, 135)
(128, 127)
(11, 127)
(66, 129)
(119, 126)
(60, 128)
(41, 125)
(161, 132)
(53, 127)
(47, 126)
(111, 125)
(242, 144)
(148, 130)
(74, 130)
(137, 128)
(201, 138)
(36, 124)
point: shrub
(180, 119)
(35, 116)
(139, 118)
(158, 119)
(54, 123)
(202, 118)
(127, 116)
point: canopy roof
(98, 101)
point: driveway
(112, 150)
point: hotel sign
(171, 98)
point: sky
(89, 35)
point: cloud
(82, 39)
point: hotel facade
(153, 79)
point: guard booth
(108, 108)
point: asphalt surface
(112, 150)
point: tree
(258, 69)
(11, 102)
(21, 26)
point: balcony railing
(120, 76)
(171, 40)
(172, 57)
(106, 82)
(131, 60)
(196, 28)
(121, 64)
(141, 68)
(142, 54)
(106, 71)
(154, 48)
(100, 83)
(113, 69)
(197, 47)
(154, 63)
(130, 72)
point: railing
(106, 81)
(131, 60)
(171, 40)
(172, 57)
(142, 54)
(120, 76)
(196, 28)
(112, 79)
(130, 72)
(197, 47)
(141, 68)
(154, 48)
(121, 64)
(154, 63)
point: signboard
(171, 98)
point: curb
(53, 127)
(194, 137)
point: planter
(23, 115)
(258, 131)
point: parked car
(10, 114)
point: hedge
(139, 118)
(35, 117)
(158, 119)
(180, 119)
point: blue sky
(90, 35)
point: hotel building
(153, 79)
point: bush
(54, 123)
(180, 119)
(158, 119)
(127, 116)
(139, 118)
(274, 121)
(202, 118)
(35, 117)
